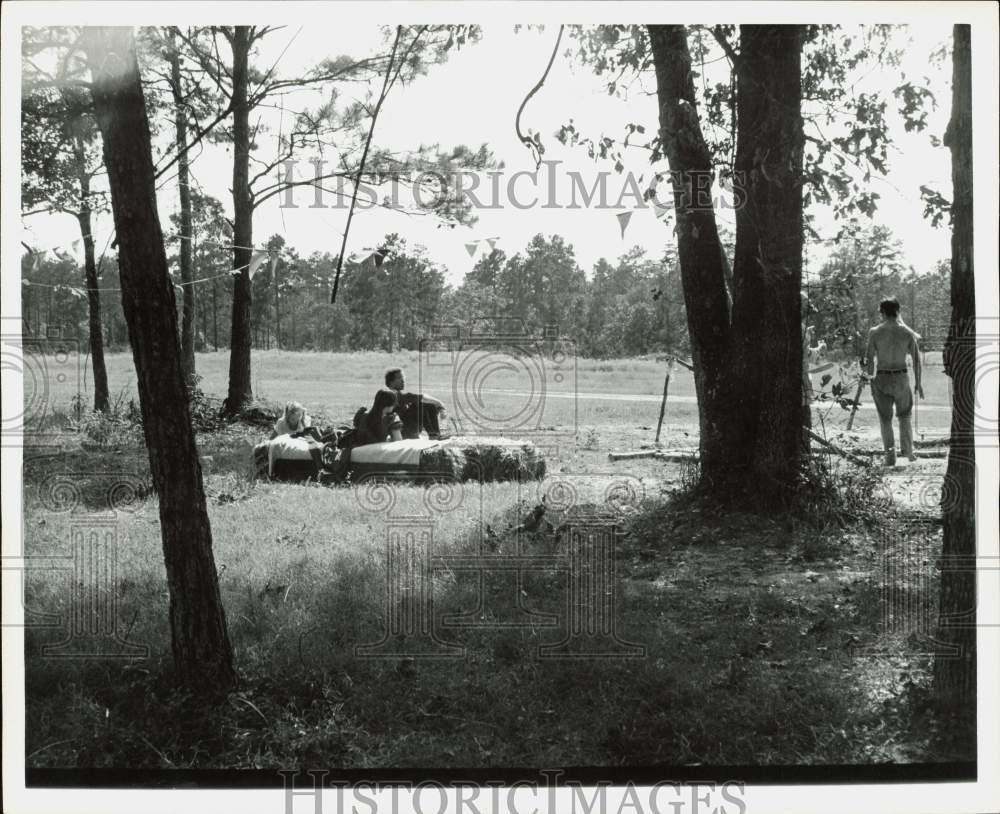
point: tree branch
(720, 38)
(276, 189)
(361, 167)
(197, 138)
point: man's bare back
(891, 342)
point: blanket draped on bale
(285, 455)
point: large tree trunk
(745, 343)
(201, 648)
(101, 396)
(698, 246)
(183, 183)
(240, 392)
(955, 672)
(766, 358)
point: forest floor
(738, 638)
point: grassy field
(762, 636)
(485, 391)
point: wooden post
(857, 401)
(663, 403)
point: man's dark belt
(897, 370)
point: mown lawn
(764, 638)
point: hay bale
(487, 460)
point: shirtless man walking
(890, 341)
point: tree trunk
(240, 392)
(955, 671)
(215, 314)
(745, 342)
(277, 311)
(698, 245)
(766, 342)
(204, 323)
(202, 652)
(183, 183)
(101, 397)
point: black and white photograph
(500, 407)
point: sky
(472, 99)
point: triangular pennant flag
(660, 209)
(623, 219)
(471, 248)
(256, 261)
(493, 242)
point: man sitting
(418, 412)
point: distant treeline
(631, 307)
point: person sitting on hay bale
(419, 412)
(381, 422)
(295, 421)
(295, 449)
(397, 415)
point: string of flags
(473, 246)
(373, 258)
(78, 291)
(256, 260)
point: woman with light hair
(295, 421)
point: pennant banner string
(84, 289)
(623, 219)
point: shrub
(206, 414)
(119, 426)
(841, 492)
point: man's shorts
(889, 388)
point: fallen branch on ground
(660, 454)
(841, 452)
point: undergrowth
(746, 660)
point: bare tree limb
(361, 166)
